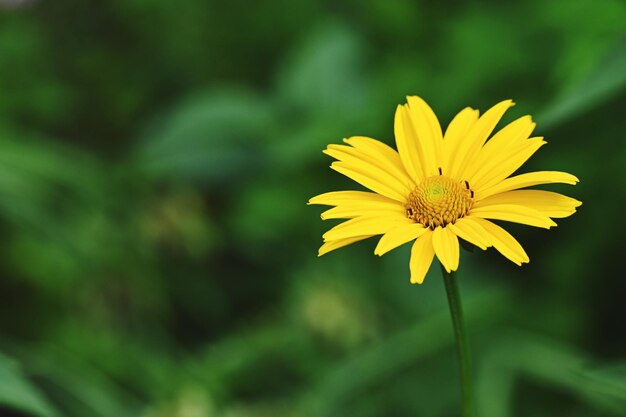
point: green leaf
(36, 174)
(605, 81)
(214, 138)
(398, 352)
(18, 393)
(545, 363)
(605, 386)
(325, 72)
(80, 388)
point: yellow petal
(528, 180)
(335, 198)
(428, 133)
(349, 211)
(547, 203)
(422, 254)
(508, 137)
(468, 229)
(513, 213)
(376, 181)
(361, 226)
(388, 205)
(504, 242)
(377, 162)
(373, 146)
(446, 246)
(339, 243)
(377, 149)
(456, 132)
(398, 236)
(506, 164)
(405, 142)
(354, 159)
(476, 137)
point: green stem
(456, 312)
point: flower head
(439, 187)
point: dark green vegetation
(157, 256)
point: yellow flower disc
(438, 201)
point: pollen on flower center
(438, 201)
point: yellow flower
(440, 187)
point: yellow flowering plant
(441, 186)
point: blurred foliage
(158, 259)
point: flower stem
(456, 312)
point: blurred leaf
(47, 192)
(80, 388)
(525, 355)
(224, 362)
(588, 40)
(266, 210)
(606, 385)
(17, 392)
(30, 87)
(214, 138)
(321, 92)
(605, 81)
(40, 180)
(397, 352)
(325, 73)
(469, 39)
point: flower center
(438, 201)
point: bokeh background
(157, 257)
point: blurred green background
(157, 256)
